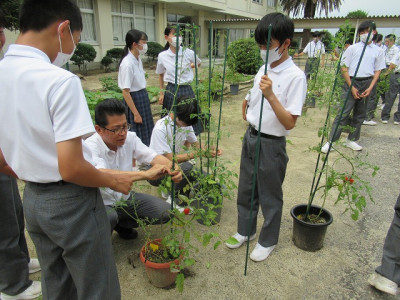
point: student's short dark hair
(108, 107)
(39, 14)
(389, 36)
(366, 25)
(2, 20)
(348, 42)
(282, 28)
(316, 34)
(377, 38)
(186, 110)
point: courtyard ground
(338, 271)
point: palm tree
(309, 7)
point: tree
(357, 14)
(83, 55)
(10, 9)
(309, 8)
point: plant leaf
(179, 281)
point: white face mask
(63, 58)
(174, 41)
(273, 55)
(144, 50)
(364, 36)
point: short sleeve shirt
(396, 62)
(162, 136)
(131, 74)
(42, 105)
(167, 61)
(391, 53)
(373, 59)
(105, 158)
(314, 49)
(289, 85)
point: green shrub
(115, 53)
(153, 50)
(244, 56)
(106, 62)
(110, 84)
(83, 55)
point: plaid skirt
(183, 90)
(142, 103)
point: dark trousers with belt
(268, 189)
(14, 256)
(391, 95)
(355, 106)
(71, 232)
(390, 266)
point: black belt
(361, 78)
(173, 84)
(264, 135)
(397, 73)
(61, 182)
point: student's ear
(63, 28)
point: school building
(106, 22)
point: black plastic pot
(307, 236)
(202, 204)
(234, 89)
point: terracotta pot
(159, 274)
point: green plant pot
(308, 236)
(234, 89)
(159, 274)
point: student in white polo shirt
(132, 82)
(114, 147)
(15, 262)
(47, 116)
(394, 89)
(284, 89)
(186, 145)
(368, 74)
(166, 69)
(315, 50)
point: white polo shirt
(396, 61)
(373, 59)
(105, 158)
(161, 138)
(314, 49)
(391, 53)
(131, 74)
(166, 65)
(40, 105)
(289, 85)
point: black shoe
(126, 233)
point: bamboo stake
(209, 93)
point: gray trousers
(390, 266)
(71, 232)
(268, 190)
(372, 104)
(355, 106)
(143, 206)
(14, 255)
(391, 95)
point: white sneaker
(325, 148)
(353, 145)
(180, 208)
(384, 121)
(240, 239)
(396, 123)
(261, 253)
(383, 284)
(32, 292)
(34, 266)
(371, 123)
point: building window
(127, 15)
(257, 1)
(271, 3)
(89, 29)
